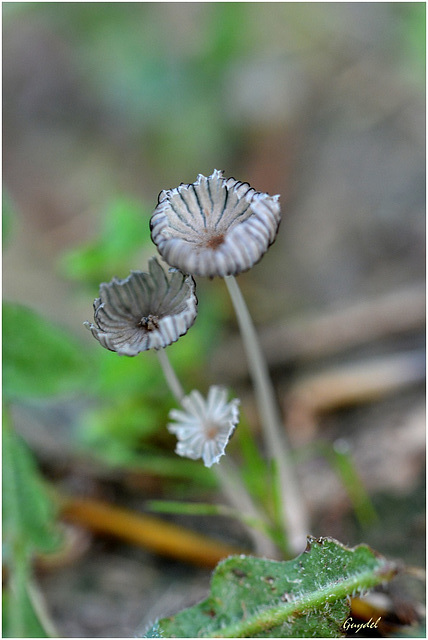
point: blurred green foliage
(122, 236)
(162, 74)
(28, 511)
(29, 526)
(39, 359)
(413, 37)
(176, 97)
(159, 78)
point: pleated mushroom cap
(215, 226)
(144, 311)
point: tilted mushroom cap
(144, 311)
(215, 226)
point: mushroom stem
(228, 478)
(234, 490)
(170, 376)
(294, 516)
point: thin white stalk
(170, 375)
(236, 493)
(227, 476)
(294, 514)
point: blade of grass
(206, 509)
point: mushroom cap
(204, 427)
(144, 311)
(215, 226)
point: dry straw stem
(348, 385)
(146, 531)
(358, 382)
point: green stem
(206, 509)
(341, 460)
(294, 517)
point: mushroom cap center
(149, 322)
(214, 240)
(211, 430)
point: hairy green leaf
(304, 597)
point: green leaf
(123, 377)
(28, 510)
(341, 460)
(39, 359)
(125, 231)
(255, 470)
(29, 526)
(304, 597)
(19, 615)
(123, 422)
